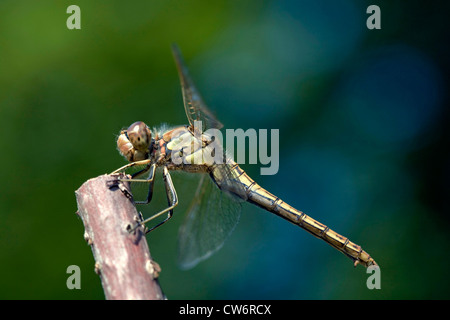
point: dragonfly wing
(211, 218)
(227, 178)
(196, 109)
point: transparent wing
(196, 109)
(226, 176)
(211, 218)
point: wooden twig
(122, 259)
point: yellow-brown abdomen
(261, 197)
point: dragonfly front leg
(132, 164)
(150, 180)
(172, 200)
(142, 171)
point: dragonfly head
(134, 142)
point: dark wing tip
(175, 50)
(191, 95)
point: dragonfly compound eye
(140, 136)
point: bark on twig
(122, 259)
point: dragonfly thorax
(134, 143)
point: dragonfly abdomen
(264, 199)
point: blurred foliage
(363, 119)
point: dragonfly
(222, 188)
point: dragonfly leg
(150, 181)
(172, 200)
(132, 164)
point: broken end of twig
(122, 258)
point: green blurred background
(363, 138)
